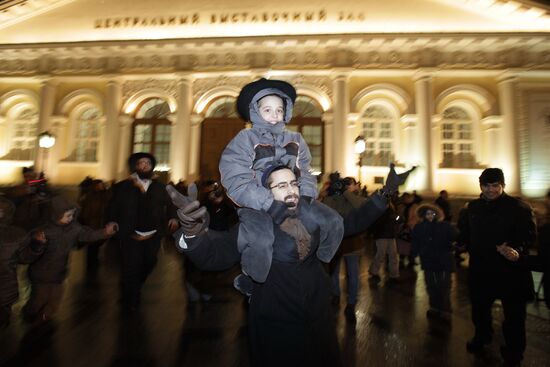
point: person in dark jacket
(444, 204)
(343, 197)
(384, 231)
(144, 212)
(48, 272)
(432, 239)
(290, 317)
(498, 230)
(15, 247)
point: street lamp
(46, 140)
(359, 146)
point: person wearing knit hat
(498, 230)
(268, 105)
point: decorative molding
(346, 52)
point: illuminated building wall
(450, 86)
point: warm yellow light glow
(46, 140)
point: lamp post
(46, 140)
(359, 145)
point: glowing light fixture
(360, 144)
(46, 140)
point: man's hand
(394, 180)
(193, 218)
(508, 252)
(110, 228)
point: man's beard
(291, 204)
(145, 175)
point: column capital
(48, 81)
(508, 76)
(196, 119)
(340, 74)
(125, 120)
(424, 74)
(328, 117)
(185, 77)
(59, 120)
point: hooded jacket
(251, 151)
(14, 248)
(51, 267)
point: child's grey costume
(242, 164)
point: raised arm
(308, 182)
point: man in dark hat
(268, 105)
(144, 212)
(498, 230)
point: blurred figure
(384, 231)
(143, 210)
(444, 204)
(343, 196)
(15, 247)
(93, 214)
(49, 271)
(31, 199)
(432, 239)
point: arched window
(377, 122)
(23, 138)
(306, 107)
(457, 139)
(152, 131)
(222, 107)
(154, 108)
(87, 135)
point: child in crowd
(432, 239)
(268, 104)
(15, 247)
(49, 271)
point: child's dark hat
(250, 90)
(134, 158)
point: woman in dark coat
(432, 239)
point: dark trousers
(438, 285)
(138, 261)
(513, 326)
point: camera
(337, 185)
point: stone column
(111, 143)
(47, 105)
(509, 155)
(4, 139)
(342, 148)
(52, 156)
(124, 149)
(490, 140)
(180, 140)
(328, 119)
(195, 148)
(424, 112)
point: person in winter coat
(344, 199)
(268, 105)
(432, 238)
(384, 231)
(48, 272)
(498, 230)
(144, 213)
(291, 322)
(15, 247)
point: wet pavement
(391, 329)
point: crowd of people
(267, 214)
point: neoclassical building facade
(450, 86)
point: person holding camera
(343, 195)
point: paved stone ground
(391, 329)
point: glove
(278, 211)
(194, 219)
(394, 180)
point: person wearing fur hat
(432, 239)
(144, 213)
(498, 230)
(49, 271)
(268, 104)
(15, 247)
